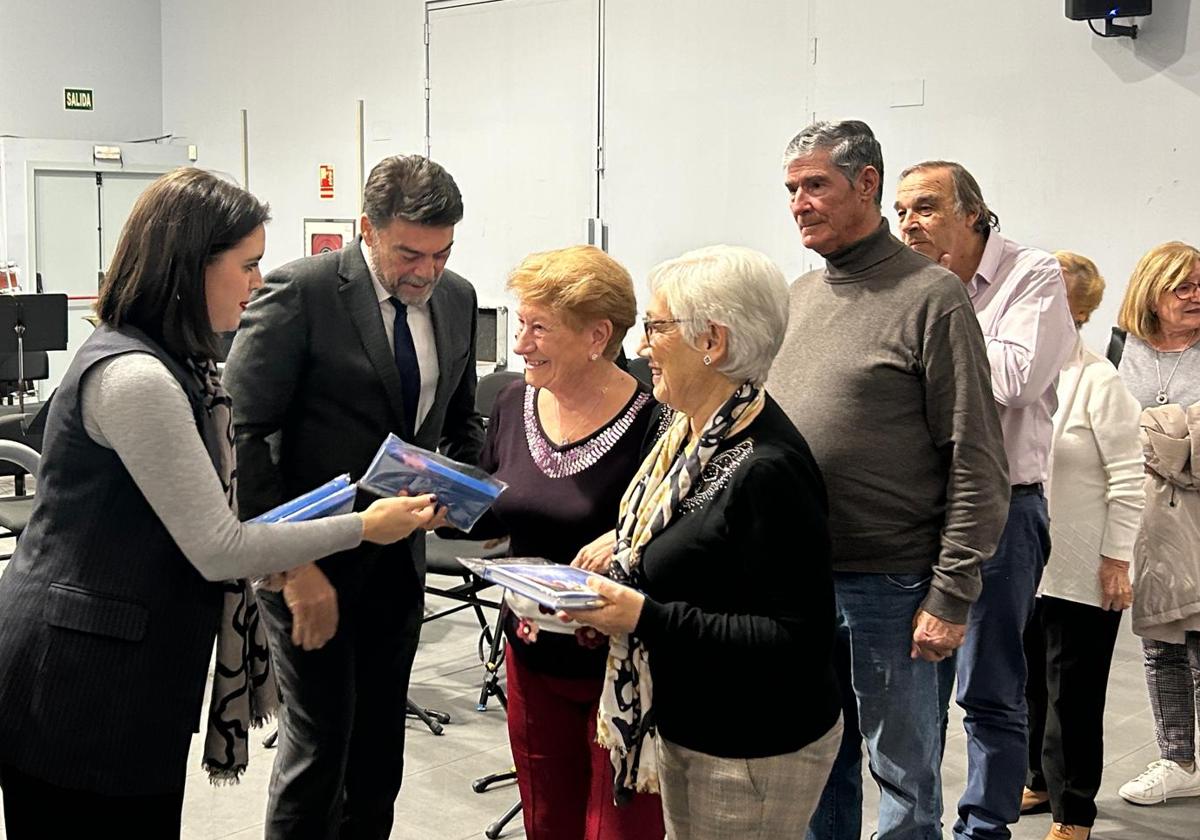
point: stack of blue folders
(399, 467)
(549, 584)
(331, 498)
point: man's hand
(314, 605)
(1116, 593)
(933, 638)
(597, 555)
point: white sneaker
(1160, 781)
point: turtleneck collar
(846, 265)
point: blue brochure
(400, 467)
(552, 585)
(332, 497)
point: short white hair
(737, 288)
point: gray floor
(437, 802)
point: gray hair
(851, 145)
(414, 189)
(968, 198)
(737, 288)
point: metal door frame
(34, 168)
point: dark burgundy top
(559, 498)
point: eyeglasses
(655, 325)
(1185, 290)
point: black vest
(106, 630)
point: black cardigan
(739, 611)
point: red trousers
(564, 776)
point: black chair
(37, 367)
(490, 386)
(25, 429)
(639, 368)
(16, 510)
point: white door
(67, 226)
(78, 217)
(118, 193)
(512, 118)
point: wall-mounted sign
(77, 99)
(324, 235)
(326, 180)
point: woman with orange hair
(567, 440)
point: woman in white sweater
(1095, 498)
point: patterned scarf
(243, 694)
(663, 481)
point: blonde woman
(1161, 367)
(1095, 500)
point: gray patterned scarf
(244, 693)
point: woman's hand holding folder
(391, 520)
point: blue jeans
(894, 702)
(991, 672)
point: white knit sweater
(1096, 472)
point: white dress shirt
(420, 324)
(1096, 477)
(1021, 301)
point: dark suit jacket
(311, 369)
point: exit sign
(77, 99)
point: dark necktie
(406, 363)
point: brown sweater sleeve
(965, 426)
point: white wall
(298, 67)
(1078, 142)
(112, 47)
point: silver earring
(594, 356)
(707, 359)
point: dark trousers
(1069, 648)
(340, 757)
(565, 777)
(38, 810)
(990, 670)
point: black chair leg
(432, 718)
(493, 831)
(491, 683)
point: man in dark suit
(336, 351)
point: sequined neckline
(560, 461)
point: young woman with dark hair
(134, 559)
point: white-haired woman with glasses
(723, 544)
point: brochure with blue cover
(552, 585)
(331, 498)
(400, 467)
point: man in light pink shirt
(1021, 302)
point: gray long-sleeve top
(885, 373)
(134, 406)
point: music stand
(31, 322)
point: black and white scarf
(663, 481)
(244, 693)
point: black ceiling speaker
(1098, 9)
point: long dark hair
(182, 222)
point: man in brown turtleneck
(885, 373)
